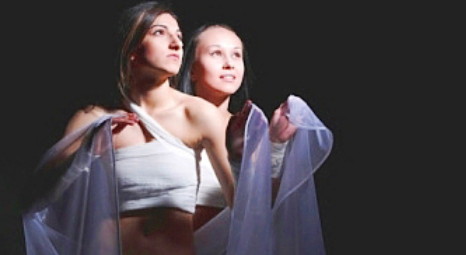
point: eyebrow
(219, 46)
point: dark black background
(356, 63)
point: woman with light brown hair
(153, 148)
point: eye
(216, 53)
(238, 54)
(158, 31)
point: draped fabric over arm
(292, 226)
(251, 216)
(79, 215)
(296, 222)
(246, 228)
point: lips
(228, 77)
(174, 56)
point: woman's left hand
(281, 129)
(235, 132)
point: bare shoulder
(205, 115)
(84, 117)
(200, 107)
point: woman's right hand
(120, 122)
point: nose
(228, 63)
(175, 42)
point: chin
(173, 71)
(233, 89)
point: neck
(220, 101)
(151, 93)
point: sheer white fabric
(246, 229)
(296, 222)
(80, 215)
(292, 225)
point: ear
(136, 52)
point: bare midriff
(157, 231)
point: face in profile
(161, 49)
(218, 68)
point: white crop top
(210, 191)
(155, 175)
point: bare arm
(80, 119)
(83, 118)
(86, 116)
(213, 126)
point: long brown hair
(134, 23)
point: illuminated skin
(217, 72)
(218, 68)
(190, 118)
